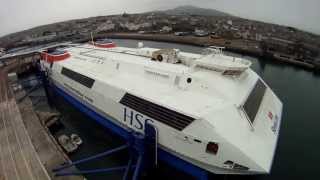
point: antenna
(92, 39)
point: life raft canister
(103, 43)
(54, 55)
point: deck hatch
(84, 80)
(254, 100)
(162, 114)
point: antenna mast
(92, 39)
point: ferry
(211, 110)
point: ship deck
(208, 91)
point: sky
(17, 15)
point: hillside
(192, 10)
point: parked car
(201, 34)
(181, 33)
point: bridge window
(254, 100)
(84, 80)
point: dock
(19, 159)
(27, 150)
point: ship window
(254, 100)
(189, 80)
(84, 80)
(232, 72)
(159, 113)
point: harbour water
(297, 155)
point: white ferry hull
(77, 102)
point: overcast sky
(17, 15)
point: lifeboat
(104, 43)
(52, 55)
(75, 138)
(67, 143)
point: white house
(166, 29)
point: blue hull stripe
(165, 156)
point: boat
(211, 111)
(76, 139)
(67, 144)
